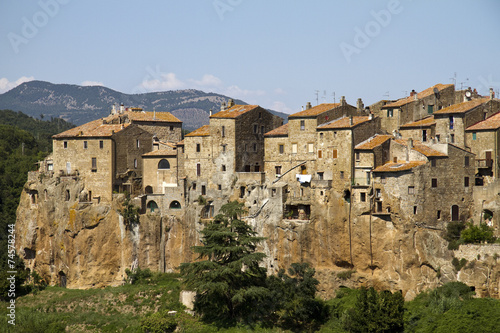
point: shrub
(346, 275)
(458, 264)
(478, 234)
(452, 235)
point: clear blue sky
(273, 53)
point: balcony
(252, 177)
(484, 163)
(321, 183)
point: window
(163, 164)
(278, 170)
(414, 210)
(302, 125)
(175, 205)
(137, 143)
(101, 144)
(152, 206)
(368, 177)
(85, 144)
(65, 144)
(341, 174)
(203, 190)
(320, 153)
(224, 148)
(474, 137)
(321, 135)
(424, 135)
(411, 189)
(247, 168)
(438, 137)
(67, 196)
(466, 161)
(294, 148)
(310, 147)
(451, 122)
(466, 182)
(433, 162)
(334, 153)
(255, 129)
(219, 187)
(198, 169)
(254, 147)
(378, 193)
(452, 138)
(358, 155)
(135, 163)
(281, 148)
(382, 179)
(362, 196)
(434, 182)
(260, 115)
(223, 131)
(430, 109)
(194, 186)
(262, 129)
(171, 128)
(94, 164)
(438, 215)
(198, 147)
(320, 175)
(390, 113)
(223, 168)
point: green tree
(129, 212)
(375, 312)
(230, 285)
(295, 304)
(478, 234)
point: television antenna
(386, 94)
(317, 92)
(333, 94)
(454, 78)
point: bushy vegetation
(478, 234)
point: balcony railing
(484, 163)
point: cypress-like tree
(229, 283)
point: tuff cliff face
(87, 245)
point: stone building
(107, 153)
(452, 121)
(416, 106)
(427, 185)
(483, 140)
(227, 155)
(423, 130)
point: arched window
(175, 205)
(454, 213)
(149, 189)
(163, 164)
(152, 206)
(67, 196)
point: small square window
(194, 186)
(223, 168)
(224, 148)
(254, 147)
(310, 147)
(320, 153)
(466, 182)
(203, 190)
(94, 164)
(362, 196)
(137, 143)
(65, 144)
(341, 174)
(223, 131)
(255, 127)
(466, 161)
(382, 179)
(85, 144)
(294, 148)
(414, 210)
(219, 187)
(198, 147)
(281, 149)
(358, 156)
(438, 215)
(302, 125)
(433, 162)
(334, 153)
(411, 190)
(101, 144)
(171, 128)
(320, 175)
(474, 136)
(434, 182)
(378, 193)
(278, 170)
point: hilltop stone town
(346, 188)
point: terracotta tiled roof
(234, 111)
(180, 143)
(315, 111)
(94, 128)
(202, 131)
(373, 142)
(421, 148)
(420, 95)
(279, 131)
(398, 166)
(462, 107)
(152, 116)
(426, 122)
(344, 123)
(161, 152)
(491, 123)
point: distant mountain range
(81, 104)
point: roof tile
(344, 123)
(315, 111)
(462, 107)
(420, 95)
(234, 112)
(373, 142)
(202, 131)
(279, 131)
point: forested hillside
(23, 142)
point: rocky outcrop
(87, 244)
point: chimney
(230, 103)
(113, 108)
(223, 106)
(492, 93)
(122, 126)
(370, 116)
(351, 122)
(302, 107)
(410, 142)
(210, 112)
(342, 101)
(413, 93)
(360, 104)
(308, 105)
(122, 108)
